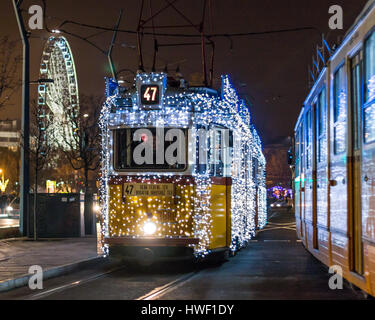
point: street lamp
(3, 182)
(25, 124)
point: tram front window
(150, 149)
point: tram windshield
(158, 149)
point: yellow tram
(335, 158)
(183, 172)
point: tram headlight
(149, 228)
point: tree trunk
(87, 208)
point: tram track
(157, 292)
(72, 284)
(167, 288)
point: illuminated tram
(335, 158)
(183, 174)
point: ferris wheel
(59, 97)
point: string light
(189, 211)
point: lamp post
(25, 153)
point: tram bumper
(147, 250)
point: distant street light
(3, 182)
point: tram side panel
(308, 219)
(341, 171)
(338, 173)
(368, 188)
(316, 168)
(321, 175)
(368, 211)
(297, 183)
(303, 181)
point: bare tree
(82, 149)
(9, 65)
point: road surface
(275, 265)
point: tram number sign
(150, 94)
(148, 190)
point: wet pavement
(17, 255)
(274, 265)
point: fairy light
(190, 208)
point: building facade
(10, 134)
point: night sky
(271, 71)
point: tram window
(369, 107)
(356, 100)
(308, 139)
(216, 154)
(321, 122)
(228, 151)
(125, 145)
(370, 67)
(339, 111)
(202, 147)
(302, 146)
(297, 159)
(369, 123)
(255, 169)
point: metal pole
(109, 55)
(25, 169)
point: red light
(144, 137)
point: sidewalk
(56, 256)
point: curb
(9, 232)
(53, 272)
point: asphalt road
(275, 265)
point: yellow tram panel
(171, 214)
(219, 216)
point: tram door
(354, 166)
(310, 216)
(321, 164)
(302, 178)
(338, 163)
(368, 140)
(299, 183)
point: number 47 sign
(150, 94)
